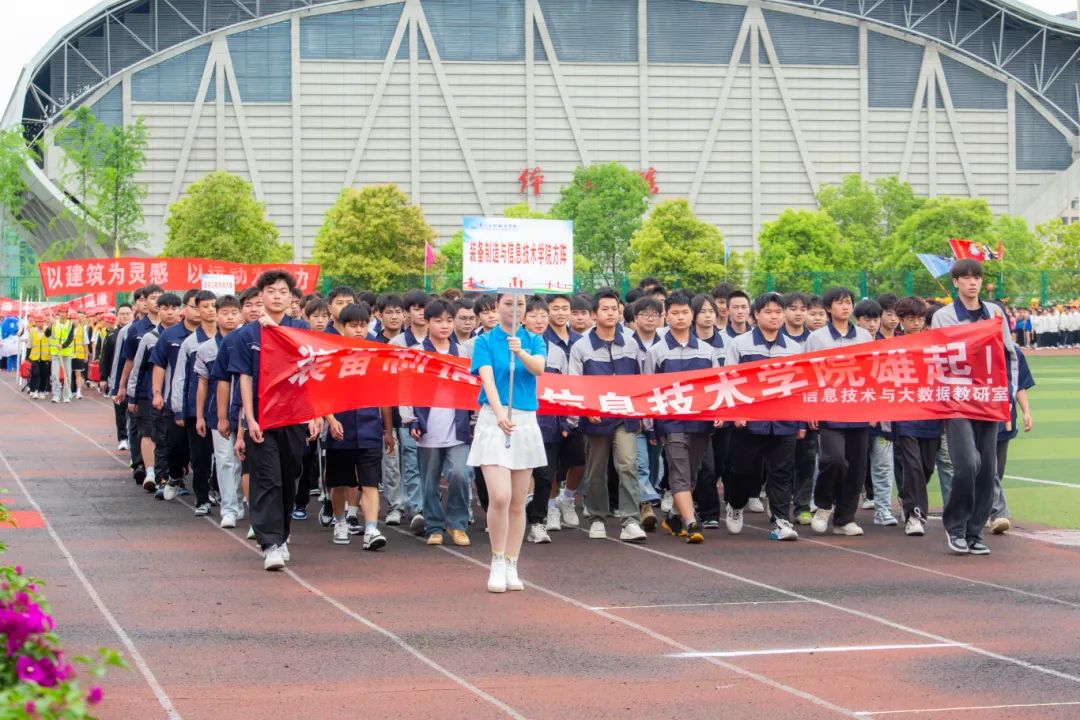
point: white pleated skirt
(526, 449)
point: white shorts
(526, 449)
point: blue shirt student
(490, 349)
(244, 359)
(164, 356)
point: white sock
(353, 510)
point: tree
(606, 204)
(219, 218)
(796, 245)
(122, 155)
(1060, 258)
(14, 156)
(79, 137)
(898, 202)
(680, 249)
(1018, 273)
(374, 237)
(857, 210)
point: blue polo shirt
(553, 338)
(131, 343)
(164, 356)
(244, 360)
(220, 373)
(491, 350)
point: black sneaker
(957, 544)
(355, 526)
(674, 525)
(326, 514)
(976, 547)
(711, 524)
(139, 474)
(694, 536)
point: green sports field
(1050, 452)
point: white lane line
(872, 713)
(693, 605)
(388, 634)
(671, 642)
(1061, 538)
(813, 650)
(1056, 483)
(931, 571)
(857, 613)
(125, 639)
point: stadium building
(745, 108)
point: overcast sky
(26, 25)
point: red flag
(1000, 250)
(956, 371)
(968, 250)
(429, 255)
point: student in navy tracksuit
(844, 446)
(684, 442)
(796, 306)
(1000, 522)
(354, 450)
(442, 437)
(763, 447)
(571, 443)
(715, 465)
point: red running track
(739, 627)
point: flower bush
(37, 682)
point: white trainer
(170, 491)
(632, 532)
(513, 582)
(341, 533)
(734, 520)
(228, 520)
(497, 577)
(123, 445)
(667, 502)
(272, 559)
(782, 530)
(755, 505)
(851, 530)
(568, 511)
(914, 526)
(820, 522)
(393, 517)
(284, 547)
(597, 530)
(554, 520)
(538, 534)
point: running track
(740, 627)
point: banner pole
(510, 395)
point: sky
(25, 26)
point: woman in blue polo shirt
(507, 466)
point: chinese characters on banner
(949, 372)
(66, 277)
(90, 304)
(518, 254)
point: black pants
(120, 417)
(973, 451)
(170, 448)
(714, 467)
(543, 477)
(842, 469)
(918, 457)
(40, 375)
(201, 452)
(309, 474)
(754, 457)
(806, 455)
(134, 440)
(275, 468)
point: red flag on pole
(429, 255)
(968, 250)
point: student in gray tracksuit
(972, 443)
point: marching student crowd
(183, 372)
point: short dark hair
(316, 305)
(815, 301)
(437, 307)
(658, 290)
(966, 268)
(416, 298)
(202, 296)
(341, 290)
(552, 297)
(679, 297)
(535, 302)
(867, 309)
(836, 293)
(737, 294)
(910, 306)
(368, 297)
(648, 303)
(700, 301)
(484, 303)
(722, 291)
(793, 298)
(355, 313)
(451, 294)
(152, 288)
(648, 281)
(169, 300)
(887, 301)
(228, 301)
(124, 305)
(767, 298)
(138, 294)
(248, 294)
(389, 300)
(297, 293)
(270, 277)
(604, 293)
(462, 304)
(579, 302)
(633, 295)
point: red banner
(968, 250)
(90, 304)
(949, 372)
(66, 277)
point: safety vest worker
(80, 341)
(61, 342)
(39, 345)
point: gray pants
(944, 469)
(973, 451)
(391, 474)
(1000, 508)
(622, 447)
(58, 386)
(882, 475)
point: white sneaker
(67, 399)
(667, 502)
(755, 505)
(228, 520)
(568, 511)
(149, 483)
(513, 582)
(170, 491)
(251, 533)
(820, 522)
(851, 530)
(78, 395)
(284, 547)
(123, 445)
(341, 533)
(632, 532)
(597, 530)
(497, 577)
(554, 520)
(374, 540)
(914, 526)
(272, 559)
(733, 519)
(393, 517)
(867, 504)
(417, 524)
(888, 520)
(55, 399)
(782, 530)
(243, 511)
(538, 534)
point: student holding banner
(507, 411)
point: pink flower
(31, 708)
(43, 671)
(94, 696)
(18, 569)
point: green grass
(1051, 451)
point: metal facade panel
(361, 34)
(477, 30)
(109, 109)
(262, 61)
(172, 80)
(686, 31)
(971, 89)
(592, 30)
(801, 40)
(1039, 146)
(893, 71)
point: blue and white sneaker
(957, 544)
(300, 513)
